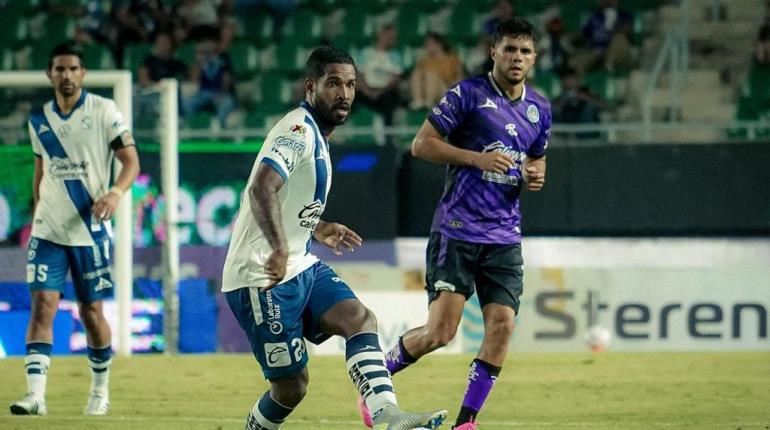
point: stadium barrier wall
(384, 193)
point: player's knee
(369, 322)
(289, 392)
(501, 326)
(90, 314)
(442, 335)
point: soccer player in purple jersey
(492, 132)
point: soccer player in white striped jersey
(75, 138)
(282, 294)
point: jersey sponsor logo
(277, 354)
(533, 114)
(501, 178)
(298, 129)
(276, 327)
(511, 129)
(489, 104)
(64, 131)
(102, 285)
(288, 163)
(86, 123)
(310, 214)
(290, 144)
(64, 168)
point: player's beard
(68, 90)
(328, 112)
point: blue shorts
(48, 264)
(276, 321)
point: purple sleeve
(538, 147)
(448, 113)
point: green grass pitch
(537, 391)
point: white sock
(366, 367)
(100, 377)
(37, 373)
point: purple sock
(481, 379)
(398, 359)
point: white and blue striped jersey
(298, 151)
(77, 164)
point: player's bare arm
(534, 173)
(36, 182)
(105, 207)
(263, 198)
(429, 145)
(337, 236)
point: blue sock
(267, 414)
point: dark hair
(515, 27)
(441, 40)
(322, 57)
(66, 48)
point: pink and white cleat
(467, 426)
(366, 415)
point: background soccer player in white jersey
(280, 292)
(496, 132)
(75, 138)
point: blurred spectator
(435, 72)
(200, 18)
(554, 49)
(14, 126)
(279, 10)
(93, 25)
(161, 63)
(380, 68)
(478, 59)
(213, 72)
(135, 21)
(762, 49)
(502, 11)
(575, 104)
(158, 65)
(607, 35)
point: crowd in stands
(207, 43)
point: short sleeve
(37, 148)
(449, 112)
(288, 148)
(113, 122)
(538, 147)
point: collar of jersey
(500, 91)
(325, 131)
(78, 103)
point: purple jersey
(477, 206)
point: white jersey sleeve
(286, 147)
(113, 122)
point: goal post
(169, 171)
(120, 83)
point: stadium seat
(186, 53)
(275, 92)
(363, 117)
(134, 56)
(244, 59)
(257, 29)
(199, 121)
(98, 57)
(15, 30)
(254, 119)
(548, 83)
(357, 26)
(415, 118)
(603, 85)
(303, 28)
(411, 26)
(464, 25)
(290, 58)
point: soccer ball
(598, 338)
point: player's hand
(337, 236)
(534, 178)
(275, 267)
(105, 207)
(496, 162)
